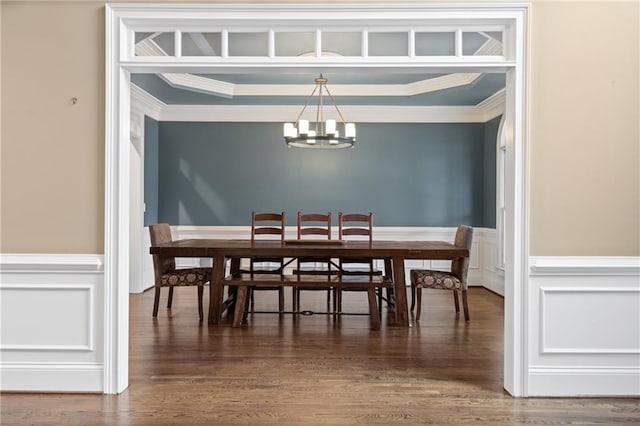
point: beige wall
(585, 158)
(52, 151)
(584, 151)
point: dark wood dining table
(393, 252)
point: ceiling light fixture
(323, 134)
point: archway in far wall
(125, 21)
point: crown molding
(199, 84)
(493, 106)
(148, 47)
(358, 113)
(491, 47)
(229, 90)
(151, 106)
(146, 103)
(442, 82)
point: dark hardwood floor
(315, 371)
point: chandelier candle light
(324, 134)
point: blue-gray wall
(406, 174)
(151, 134)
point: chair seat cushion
(428, 278)
(187, 276)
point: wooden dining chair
(313, 226)
(356, 226)
(166, 274)
(454, 280)
(267, 226)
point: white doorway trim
(122, 19)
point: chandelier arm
(335, 105)
(307, 104)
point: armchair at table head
(454, 280)
(166, 274)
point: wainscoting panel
(63, 320)
(52, 322)
(584, 326)
(573, 319)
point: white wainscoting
(482, 270)
(51, 313)
(584, 326)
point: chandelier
(321, 133)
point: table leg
(238, 312)
(391, 304)
(216, 290)
(402, 314)
(232, 291)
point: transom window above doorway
(379, 42)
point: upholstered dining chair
(313, 226)
(454, 280)
(265, 226)
(166, 274)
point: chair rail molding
(585, 265)
(583, 318)
(47, 263)
(63, 349)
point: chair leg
(251, 300)
(296, 300)
(455, 300)
(170, 301)
(200, 293)
(413, 297)
(391, 299)
(246, 305)
(465, 306)
(419, 301)
(329, 300)
(281, 300)
(373, 309)
(156, 302)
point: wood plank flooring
(315, 370)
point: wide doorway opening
(375, 53)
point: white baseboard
(594, 381)
(51, 377)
